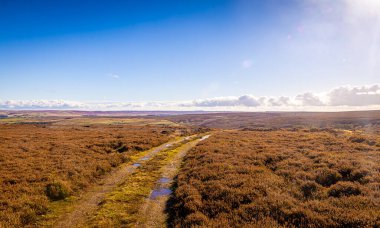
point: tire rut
(153, 210)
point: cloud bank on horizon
(338, 99)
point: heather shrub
(102, 169)
(28, 216)
(327, 177)
(196, 219)
(344, 188)
(278, 178)
(359, 175)
(309, 188)
(357, 139)
(57, 190)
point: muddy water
(204, 137)
(164, 180)
(144, 158)
(160, 192)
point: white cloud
(278, 101)
(355, 24)
(340, 98)
(309, 99)
(214, 102)
(355, 96)
(246, 100)
(114, 76)
(40, 104)
(247, 63)
(366, 8)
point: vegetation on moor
(256, 169)
(44, 163)
(254, 120)
(309, 178)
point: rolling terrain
(80, 169)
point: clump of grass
(357, 139)
(28, 216)
(309, 188)
(344, 188)
(327, 177)
(57, 190)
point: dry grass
(306, 178)
(42, 163)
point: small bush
(309, 188)
(344, 188)
(346, 170)
(328, 177)
(102, 169)
(358, 175)
(196, 219)
(357, 139)
(57, 190)
(28, 217)
(371, 142)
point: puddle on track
(137, 164)
(144, 158)
(204, 137)
(164, 180)
(160, 192)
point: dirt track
(153, 210)
(92, 199)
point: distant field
(219, 120)
(341, 120)
(280, 178)
(44, 162)
(80, 121)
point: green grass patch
(56, 209)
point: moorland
(253, 169)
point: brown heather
(303, 178)
(42, 163)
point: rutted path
(92, 199)
(153, 210)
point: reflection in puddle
(164, 180)
(144, 158)
(137, 164)
(204, 137)
(160, 192)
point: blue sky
(143, 51)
